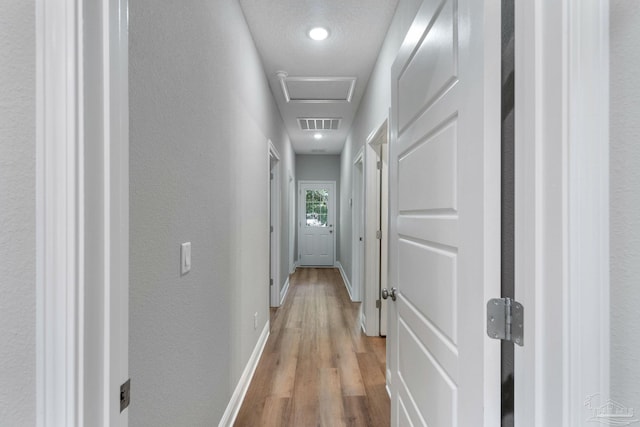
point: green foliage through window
(316, 207)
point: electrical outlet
(255, 320)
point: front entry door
(316, 220)
(445, 217)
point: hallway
(318, 368)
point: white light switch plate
(185, 257)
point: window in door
(316, 207)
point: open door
(444, 259)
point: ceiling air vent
(319, 150)
(319, 123)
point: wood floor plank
(356, 411)
(276, 412)
(284, 374)
(318, 368)
(331, 410)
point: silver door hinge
(270, 282)
(378, 303)
(505, 320)
(378, 234)
(271, 228)
(379, 164)
(125, 395)
(271, 175)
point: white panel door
(444, 237)
(317, 231)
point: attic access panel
(318, 89)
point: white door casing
(82, 211)
(358, 293)
(291, 221)
(274, 225)
(317, 228)
(377, 192)
(562, 210)
(445, 216)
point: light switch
(185, 257)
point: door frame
(376, 179)
(301, 216)
(274, 221)
(82, 212)
(357, 233)
(292, 224)
(562, 208)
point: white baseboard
(388, 382)
(283, 291)
(347, 284)
(230, 414)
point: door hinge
(505, 320)
(271, 175)
(270, 282)
(271, 228)
(378, 303)
(379, 164)
(125, 395)
(378, 234)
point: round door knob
(386, 293)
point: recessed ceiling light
(317, 136)
(318, 33)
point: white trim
(372, 245)
(292, 222)
(59, 203)
(275, 220)
(363, 321)
(586, 362)
(371, 257)
(82, 153)
(345, 279)
(357, 225)
(283, 292)
(230, 414)
(562, 230)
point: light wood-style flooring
(318, 368)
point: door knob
(386, 293)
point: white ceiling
(357, 30)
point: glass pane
(316, 207)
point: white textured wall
(625, 202)
(17, 213)
(201, 113)
(373, 110)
